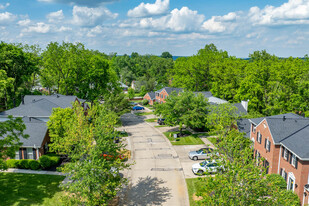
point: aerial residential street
(157, 177)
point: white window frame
(253, 129)
(17, 155)
(264, 125)
(259, 137)
(290, 178)
(285, 154)
(283, 173)
(293, 162)
(29, 154)
(267, 145)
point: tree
(166, 55)
(243, 180)
(184, 108)
(10, 133)
(94, 157)
(117, 103)
(131, 93)
(6, 85)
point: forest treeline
(272, 85)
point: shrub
(145, 102)
(49, 160)
(45, 161)
(34, 165)
(12, 163)
(23, 164)
(276, 180)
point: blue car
(138, 108)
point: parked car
(160, 121)
(203, 153)
(206, 166)
(138, 108)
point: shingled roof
(290, 130)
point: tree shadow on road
(147, 191)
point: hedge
(44, 162)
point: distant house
(35, 111)
(162, 94)
(283, 142)
(151, 97)
(124, 87)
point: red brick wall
(148, 98)
(301, 174)
(271, 156)
(159, 98)
(46, 140)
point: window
(285, 154)
(161, 95)
(291, 183)
(264, 125)
(293, 160)
(253, 128)
(283, 174)
(266, 165)
(259, 137)
(267, 145)
(30, 153)
(17, 155)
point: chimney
(245, 103)
(23, 99)
(284, 118)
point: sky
(181, 27)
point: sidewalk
(13, 170)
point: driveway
(157, 177)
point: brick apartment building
(283, 142)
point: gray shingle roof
(36, 130)
(244, 126)
(169, 90)
(291, 130)
(298, 143)
(216, 100)
(40, 108)
(206, 94)
(152, 95)
(58, 99)
(240, 109)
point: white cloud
(292, 12)
(6, 17)
(63, 28)
(219, 23)
(39, 27)
(91, 3)
(143, 10)
(24, 22)
(182, 20)
(55, 16)
(84, 16)
(4, 6)
(94, 31)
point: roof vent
(58, 96)
(284, 118)
(33, 100)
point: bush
(45, 161)
(145, 102)
(276, 180)
(34, 165)
(23, 164)
(12, 163)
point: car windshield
(202, 164)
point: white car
(203, 153)
(205, 166)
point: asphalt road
(157, 177)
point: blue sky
(181, 27)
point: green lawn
(192, 139)
(194, 185)
(151, 120)
(29, 189)
(213, 140)
(143, 113)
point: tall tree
(10, 133)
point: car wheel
(200, 172)
(195, 158)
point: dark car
(138, 108)
(160, 121)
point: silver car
(206, 166)
(203, 153)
